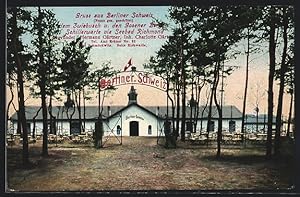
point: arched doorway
(134, 128)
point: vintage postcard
(150, 98)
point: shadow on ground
(238, 159)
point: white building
(130, 120)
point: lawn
(140, 164)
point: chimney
(132, 96)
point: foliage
(23, 20)
(17, 59)
(104, 71)
(74, 65)
(45, 52)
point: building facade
(130, 120)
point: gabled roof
(91, 112)
(131, 104)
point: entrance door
(134, 128)
(75, 127)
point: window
(52, 126)
(75, 127)
(167, 127)
(118, 130)
(28, 128)
(149, 130)
(189, 126)
(211, 125)
(231, 126)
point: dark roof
(262, 118)
(92, 112)
(61, 112)
(30, 112)
(228, 111)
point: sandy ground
(140, 164)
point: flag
(128, 65)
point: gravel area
(140, 164)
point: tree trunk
(192, 106)
(196, 112)
(45, 118)
(294, 121)
(183, 99)
(172, 103)
(196, 115)
(202, 113)
(264, 122)
(74, 109)
(209, 108)
(50, 113)
(34, 122)
(173, 135)
(173, 115)
(23, 120)
(246, 87)
(42, 85)
(21, 114)
(272, 47)
(283, 70)
(178, 111)
(219, 136)
(99, 100)
(83, 109)
(10, 101)
(19, 127)
(257, 119)
(290, 116)
(78, 108)
(183, 108)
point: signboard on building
(136, 77)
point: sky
(119, 56)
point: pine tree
(18, 57)
(45, 30)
